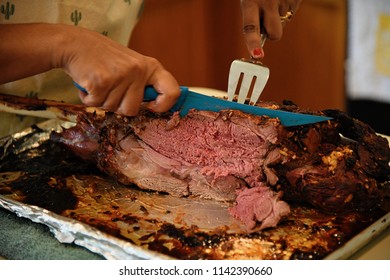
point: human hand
(265, 17)
(113, 75)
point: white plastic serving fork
(247, 79)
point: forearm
(29, 49)
(113, 75)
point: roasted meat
(251, 162)
(221, 156)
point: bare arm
(24, 51)
(113, 75)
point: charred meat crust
(201, 154)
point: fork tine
(244, 89)
(234, 77)
(261, 81)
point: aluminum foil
(66, 230)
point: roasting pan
(121, 222)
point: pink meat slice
(259, 204)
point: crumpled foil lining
(213, 217)
(66, 230)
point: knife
(192, 100)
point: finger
(82, 96)
(284, 7)
(287, 9)
(251, 28)
(114, 98)
(167, 87)
(272, 22)
(95, 95)
(164, 83)
(132, 99)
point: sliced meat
(206, 154)
(251, 162)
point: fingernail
(151, 107)
(258, 53)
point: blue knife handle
(151, 94)
(80, 87)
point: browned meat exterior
(334, 173)
(251, 162)
(373, 151)
(331, 172)
(246, 160)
